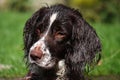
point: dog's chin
(46, 65)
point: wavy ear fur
(29, 30)
(85, 45)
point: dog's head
(59, 32)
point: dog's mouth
(46, 61)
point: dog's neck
(61, 73)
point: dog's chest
(61, 73)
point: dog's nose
(36, 53)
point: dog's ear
(85, 45)
(29, 35)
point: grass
(11, 45)
(110, 38)
(11, 33)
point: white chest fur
(61, 70)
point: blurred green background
(103, 15)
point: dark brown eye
(38, 32)
(60, 35)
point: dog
(58, 44)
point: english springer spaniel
(59, 44)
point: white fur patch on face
(52, 19)
(46, 60)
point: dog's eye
(60, 35)
(38, 32)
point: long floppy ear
(29, 30)
(85, 46)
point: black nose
(36, 53)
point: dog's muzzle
(39, 54)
